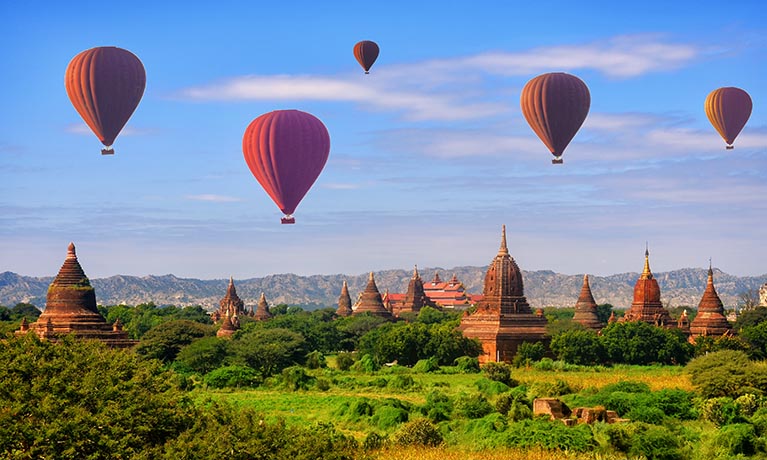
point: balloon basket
(557, 161)
(729, 147)
(107, 151)
(367, 73)
(288, 220)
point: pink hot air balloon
(286, 151)
(728, 109)
(555, 106)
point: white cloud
(213, 198)
(82, 128)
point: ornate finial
(504, 249)
(71, 251)
(646, 273)
(370, 277)
(415, 272)
(710, 272)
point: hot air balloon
(366, 53)
(728, 110)
(105, 85)
(286, 151)
(555, 105)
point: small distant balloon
(105, 85)
(728, 109)
(555, 106)
(286, 151)
(366, 53)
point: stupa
(262, 310)
(503, 318)
(344, 302)
(586, 308)
(70, 308)
(228, 327)
(415, 297)
(230, 305)
(647, 306)
(370, 301)
(710, 320)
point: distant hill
(542, 288)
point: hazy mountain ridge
(542, 288)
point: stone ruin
(558, 410)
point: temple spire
(504, 249)
(415, 272)
(646, 273)
(71, 251)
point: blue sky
(430, 153)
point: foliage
(269, 350)
(707, 344)
(727, 373)
(636, 342)
(472, 406)
(515, 405)
(426, 365)
(467, 365)
(738, 439)
(164, 341)
(366, 364)
(549, 435)
(528, 353)
(499, 372)
(204, 355)
(344, 360)
(78, 399)
(756, 336)
(721, 411)
(233, 377)
(138, 320)
(656, 443)
(604, 310)
(438, 407)
(578, 347)
(295, 378)
(419, 432)
(750, 318)
(315, 360)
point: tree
(727, 373)
(204, 355)
(604, 310)
(79, 399)
(578, 347)
(748, 299)
(269, 351)
(751, 318)
(756, 336)
(636, 342)
(164, 341)
(25, 310)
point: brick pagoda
(586, 308)
(710, 320)
(262, 310)
(370, 301)
(647, 306)
(71, 309)
(503, 318)
(344, 302)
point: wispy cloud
(82, 128)
(453, 89)
(213, 198)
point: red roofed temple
(710, 320)
(647, 306)
(450, 294)
(503, 318)
(70, 308)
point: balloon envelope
(728, 109)
(105, 85)
(286, 151)
(366, 53)
(555, 106)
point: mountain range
(682, 287)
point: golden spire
(646, 273)
(503, 250)
(710, 273)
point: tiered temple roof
(414, 299)
(344, 302)
(710, 320)
(229, 326)
(71, 309)
(262, 310)
(447, 294)
(230, 305)
(503, 318)
(370, 301)
(647, 306)
(586, 308)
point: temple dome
(370, 300)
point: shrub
(420, 432)
(295, 378)
(748, 404)
(727, 373)
(490, 387)
(721, 411)
(656, 443)
(500, 372)
(528, 353)
(550, 390)
(474, 406)
(387, 416)
(344, 360)
(647, 414)
(738, 439)
(578, 347)
(233, 377)
(402, 382)
(315, 360)
(438, 407)
(366, 364)
(467, 365)
(424, 366)
(548, 435)
(374, 441)
(322, 384)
